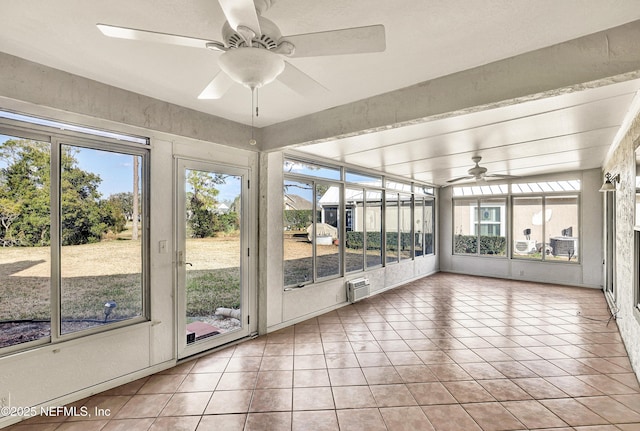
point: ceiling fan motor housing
(267, 36)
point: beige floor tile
(128, 425)
(416, 374)
(272, 349)
(360, 419)
(493, 417)
(162, 384)
(274, 379)
(533, 414)
(341, 360)
(319, 398)
(200, 382)
(310, 378)
(143, 406)
(271, 400)
(222, 422)
(539, 388)
(451, 417)
(224, 402)
(346, 377)
(277, 363)
(353, 397)
(572, 412)
(324, 420)
(610, 409)
(181, 423)
(468, 392)
(236, 381)
(381, 375)
(186, 404)
(309, 362)
(504, 390)
(405, 419)
(268, 421)
(392, 396)
(244, 363)
(430, 393)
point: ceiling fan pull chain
(257, 101)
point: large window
(480, 226)
(312, 226)
(338, 221)
(73, 234)
(546, 226)
(544, 220)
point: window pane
(25, 260)
(326, 228)
(492, 227)
(391, 226)
(465, 240)
(364, 179)
(373, 228)
(418, 222)
(395, 185)
(297, 218)
(528, 221)
(562, 227)
(429, 223)
(311, 169)
(101, 238)
(406, 222)
(354, 242)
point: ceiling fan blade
(220, 84)
(356, 40)
(506, 177)
(241, 13)
(300, 82)
(152, 36)
(455, 180)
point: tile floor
(447, 352)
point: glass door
(211, 256)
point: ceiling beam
(595, 60)
(35, 83)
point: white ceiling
(426, 39)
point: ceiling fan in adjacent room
(479, 173)
(253, 49)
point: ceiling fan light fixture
(251, 67)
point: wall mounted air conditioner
(358, 289)
(524, 246)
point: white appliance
(524, 246)
(358, 289)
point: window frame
(544, 196)
(476, 204)
(84, 137)
(414, 190)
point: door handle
(188, 263)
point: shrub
(468, 244)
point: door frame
(248, 291)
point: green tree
(25, 182)
(202, 203)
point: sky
(115, 170)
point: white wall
(587, 273)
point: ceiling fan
(479, 173)
(253, 48)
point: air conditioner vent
(357, 289)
